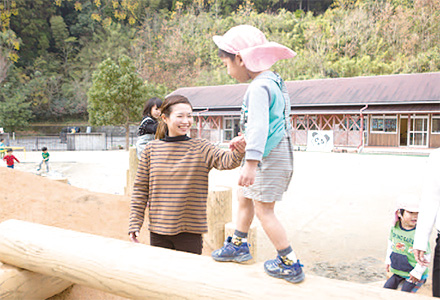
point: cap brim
(262, 57)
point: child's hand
(238, 143)
(413, 279)
(248, 173)
(388, 268)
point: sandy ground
(337, 211)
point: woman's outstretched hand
(238, 143)
(134, 236)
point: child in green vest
(45, 160)
(400, 260)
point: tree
(117, 95)
(9, 45)
(63, 42)
(14, 110)
(31, 24)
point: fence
(57, 143)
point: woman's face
(155, 112)
(180, 120)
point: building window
(300, 123)
(383, 124)
(312, 123)
(354, 123)
(231, 128)
(435, 124)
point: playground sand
(337, 211)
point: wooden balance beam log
(143, 272)
(16, 283)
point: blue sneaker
(277, 268)
(232, 252)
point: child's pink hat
(409, 202)
(257, 53)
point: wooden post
(18, 283)
(139, 271)
(133, 162)
(219, 212)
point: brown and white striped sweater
(172, 177)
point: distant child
(400, 258)
(2, 147)
(45, 160)
(9, 158)
(148, 126)
(268, 166)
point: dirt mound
(32, 198)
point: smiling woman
(172, 180)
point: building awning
(339, 110)
(372, 109)
(403, 109)
(214, 113)
(336, 110)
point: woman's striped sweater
(172, 178)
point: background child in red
(9, 158)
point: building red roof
(421, 88)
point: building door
(403, 131)
(418, 131)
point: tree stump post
(219, 213)
(133, 163)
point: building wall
(434, 132)
(86, 141)
(434, 140)
(346, 128)
(382, 139)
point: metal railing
(57, 143)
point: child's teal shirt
(263, 115)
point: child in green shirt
(400, 260)
(45, 160)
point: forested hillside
(49, 49)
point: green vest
(402, 257)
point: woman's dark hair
(166, 109)
(149, 105)
(224, 54)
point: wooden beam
(16, 283)
(143, 272)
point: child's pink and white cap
(409, 202)
(257, 53)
